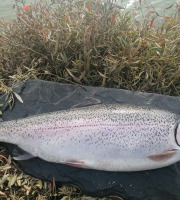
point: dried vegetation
(92, 43)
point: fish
(106, 137)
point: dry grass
(91, 43)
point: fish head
(177, 133)
(171, 152)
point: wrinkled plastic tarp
(42, 96)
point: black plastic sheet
(41, 96)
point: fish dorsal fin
(160, 157)
(20, 154)
(89, 102)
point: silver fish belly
(110, 137)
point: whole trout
(110, 137)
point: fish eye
(177, 133)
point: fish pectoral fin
(89, 102)
(20, 154)
(160, 157)
(75, 163)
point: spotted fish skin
(110, 137)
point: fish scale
(110, 137)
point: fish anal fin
(75, 163)
(160, 157)
(20, 154)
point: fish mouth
(176, 132)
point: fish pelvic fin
(161, 157)
(20, 154)
(75, 163)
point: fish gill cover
(88, 42)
